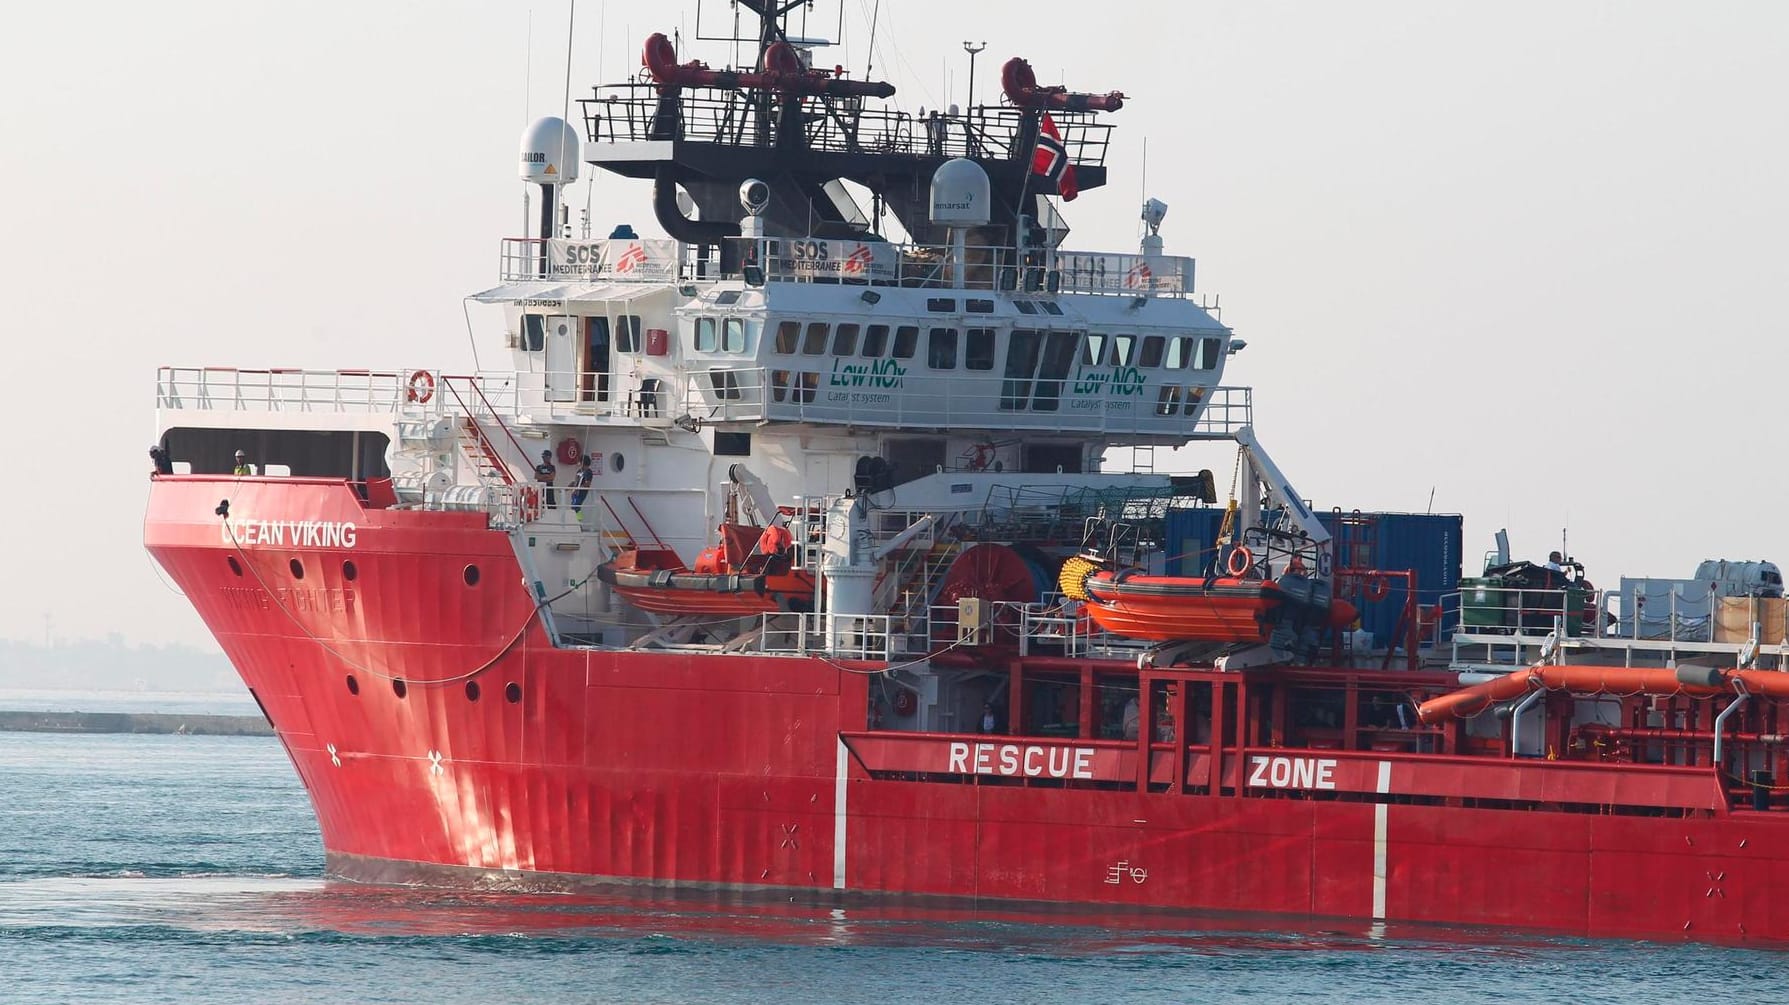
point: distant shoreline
(174, 723)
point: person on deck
(544, 473)
(1553, 561)
(164, 465)
(581, 486)
(243, 467)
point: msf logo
(858, 261)
(631, 259)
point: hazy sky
(1519, 254)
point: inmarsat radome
(550, 160)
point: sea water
(188, 869)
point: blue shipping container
(1427, 544)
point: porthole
(297, 569)
(235, 566)
(619, 462)
(398, 687)
(349, 572)
(472, 690)
(353, 685)
(470, 574)
(512, 692)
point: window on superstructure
(779, 385)
(627, 333)
(941, 349)
(534, 332)
(705, 335)
(1167, 401)
(733, 335)
(788, 334)
(1152, 351)
(941, 305)
(725, 383)
(875, 341)
(1051, 307)
(1058, 358)
(815, 342)
(1194, 395)
(1025, 306)
(1210, 350)
(1021, 362)
(810, 383)
(979, 306)
(844, 342)
(906, 341)
(1123, 348)
(1092, 350)
(1179, 353)
(978, 349)
(726, 297)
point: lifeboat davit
(749, 573)
(1234, 609)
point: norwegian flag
(1050, 160)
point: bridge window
(534, 332)
(779, 385)
(810, 383)
(979, 306)
(815, 343)
(1021, 363)
(1093, 353)
(1050, 307)
(978, 349)
(906, 341)
(941, 349)
(733, 335)
(705, 335)
(1123, 346)
(1025, 306)
(726, 297)
(942, 305)
(1194, 395)
(1059, 357)
(788, 333)
(845, 342)
(1179, 353)
(726, 384)
(1167, 401)
(627, 334)
(1152, 351)
(875, 341)
(1210, 349)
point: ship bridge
(913, 336)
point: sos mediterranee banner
(640, 260)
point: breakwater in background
(181, 723)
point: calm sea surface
(188, 869)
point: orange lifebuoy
(1377, 588)
(981, 456)
(530, 503)
(1241, 560)
(570, 450)
(422, 386)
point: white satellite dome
(960, 194)
(549, 152)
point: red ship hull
(501, 761)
